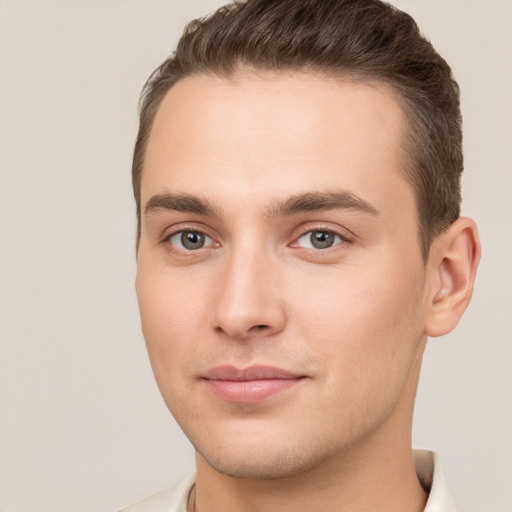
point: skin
(351, 319)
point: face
(280, 277)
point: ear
(453, 261)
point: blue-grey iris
(192, 240)
(322, 239)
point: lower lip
(249, 391)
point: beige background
(82, 426)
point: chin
(250, 468)
(264, 462)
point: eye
(319, 239)
(190, 240)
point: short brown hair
(366, 40)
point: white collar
(431, 476)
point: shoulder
(170, 500)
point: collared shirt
(428, 469)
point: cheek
(366, 325)
(170, 314)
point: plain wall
(82, 425)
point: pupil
(192, 240)
(322, 239)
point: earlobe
(453, 262)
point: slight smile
(249, 385)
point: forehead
(258, 134)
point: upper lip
(254, 372)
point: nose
(248, 301)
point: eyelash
(339, 239)
(190, 232)
(181, 230)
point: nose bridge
(248, 300)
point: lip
(249, 385)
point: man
(297, 178)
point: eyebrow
(181, 203)
(320, 201)
(295, 204)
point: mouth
(249, 385)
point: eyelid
(345, 234)
(172, 231)
(337, 240)
(208, 241)
(187, 226)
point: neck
(391, 485)
(376, 475)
